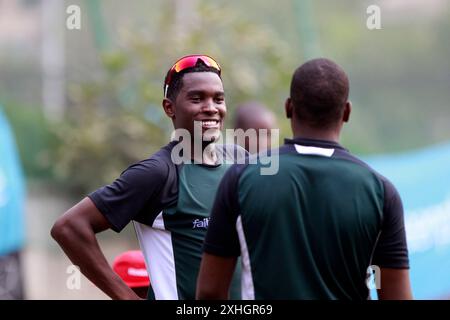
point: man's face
(201, 99)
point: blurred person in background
(130, 266)
(255, 115)
(12, 195)
(330, 219)
(169, 203)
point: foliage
(117, 119)
(398, 76)
(34, 137)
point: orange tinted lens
(210, 62)
(185, 63)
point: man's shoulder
(157, 165)
(387, 184)
(163, 155)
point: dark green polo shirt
(311, 230)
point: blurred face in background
(266, 121)
(258, 118)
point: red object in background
(130, 266)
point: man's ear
(347, 111)
(288, 108)
(169, 107)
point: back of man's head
(319, 92)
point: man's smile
(210, 123)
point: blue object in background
(423, 181)
(12, 192)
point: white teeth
(209, 122)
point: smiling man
(168, 202)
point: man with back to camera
(168, 202)
(330, 219)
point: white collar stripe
(325, 152)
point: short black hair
(177, 78)
(319, 91)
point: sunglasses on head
(186, 63)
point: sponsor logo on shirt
(200, 223)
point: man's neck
(208, 154)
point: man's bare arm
(75, 233)
(215, 277)
(395, 285)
